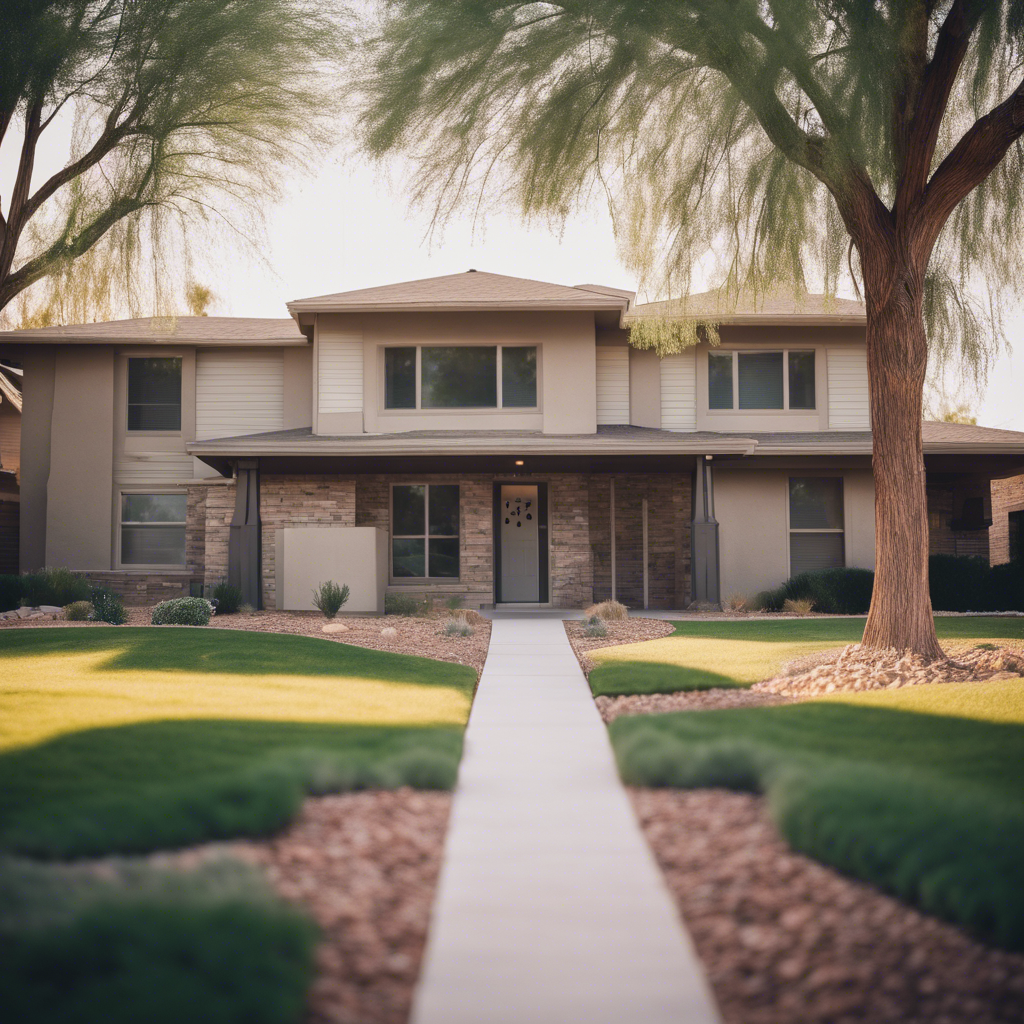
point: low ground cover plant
(183, 611)
(78, 611)
(926, 806)
(705, 654)
(108, 606)
(228, 598)
(165, 738)
(329, 598)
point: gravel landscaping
(785, 940)
(686, 700)
(422, 636)
(625, 631)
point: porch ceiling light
(519, 462)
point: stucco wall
(37, 400)
(752, 508)
(78, 510)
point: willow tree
(790, 139)
(170, 112)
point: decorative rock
(51, 609)
(389, 632)
(23, 612)
(334, 627)
(38, 615)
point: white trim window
(780, 380)
(152, 529)
(424, 531)
(817, 538)
(444, 377)
(154, 394)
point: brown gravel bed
(365, 866)
(624, 631)
(420, 636)
(685, 700)
(785, 940)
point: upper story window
(761, 380)
(460, 377)
(154, 393)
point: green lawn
(134, 739)
(704, 654)
(895, 788)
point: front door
(519, 535)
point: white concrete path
(550, 907)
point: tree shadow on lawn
(843, 630)
(157, 785)
(231, 652)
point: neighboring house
(10, 465)
(1007, 534)
(473, 436)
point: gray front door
(519, 523)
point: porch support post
(244, 541)
(704, 536)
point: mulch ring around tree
(785, 940)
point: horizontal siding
(340, 373)
(848, 403)
(679, 391)
(156, 468)
(238, 393)
(612, 384)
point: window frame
(739, 350)
(790, 529)
(425, 537)
(149, 566)
(419, 408)
(129, 431)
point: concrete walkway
(550, 907)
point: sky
(349, 225)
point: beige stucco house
(478, 436)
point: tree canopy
(179, 112)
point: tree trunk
(901, 609)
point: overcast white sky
(350, 227)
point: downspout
(704, 537)
(244, 536)
(612, 520)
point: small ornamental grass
(108, 606)
(228, 598)
(594, 626)
(798, 606)
(78, 611)
(608, 611)
(182, 611)
(330, 598)
(457, 626)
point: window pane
(816, 503)
(518, 378)
(400, 378)
(407, 558)
(760, 380)
(153, 508)
(809, 552)
(444, 510)
(153, 545)
(801, 380)
(154, 394)
(408, 504)
(719, 380)
(459, 377)
(444, 557)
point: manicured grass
(925, 805)
(126, 740)
(703, 655)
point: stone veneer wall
(144, 588)
(1007, 497)
(219, 507)
(944, 541)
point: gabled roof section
(783, 308)
(472, 290)
(167, 330)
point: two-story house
(474, 435)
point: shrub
(182, 611)
(1007, 583)
(960, 584)
(329, 598)
(108, 606)
(771, 600)
(594, 626)
(454, 603)
(457, 626)
(10, 592)
(78, 611)
(228, 598)
(58, 586)
(798, 606)
(839, 591)
(609, 611)
(400, 604)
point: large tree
(170, 112)
(788, 139)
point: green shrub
(108, 606)
(330, 598)
(182, 611)
(10, 592)
(1008, 586)
(841, 591)
(960, 584)
(228, 598)
(454, 603)
(594, 626)
(57, 586)
(78, 611)
(401, 604)
(771, 600)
